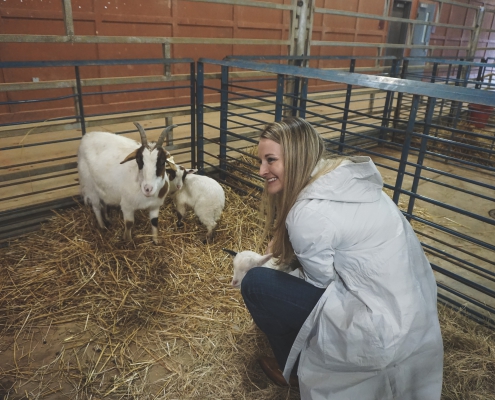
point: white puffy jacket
(374, 334)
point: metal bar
(200, 116)
(405, 149)
(454, 106)
(193, 114)
(398, 107)
(224, 108)
(346, 109)
(463, 306)
(279, 98)
(421, 156)
(306, 57)
(440, 113)
(454, 233)
(464, 264)
(80, 105)
(479, 77)
(465, 74)
(457, 248)
(304, 97)
(387, 109)
(467, 282)
(379, 82)
(457, 210)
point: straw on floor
(85, 315)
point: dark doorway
(397, 31)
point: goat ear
(264, 259)
(231, 252)
(191, 171)
(130, 157)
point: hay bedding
(85, 315)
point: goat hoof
(180, 224)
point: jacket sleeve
(313, 237)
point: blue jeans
(279, 304)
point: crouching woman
(360, 320)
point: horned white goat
(202, 194)
(107, 178)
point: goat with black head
(107, 178)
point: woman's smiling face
(272, 165)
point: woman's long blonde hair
(302, 149)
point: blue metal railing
(409, 125)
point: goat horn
(144, 139)
(160, 140)
(231, 252)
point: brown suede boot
(270, 367)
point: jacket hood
(355, 180)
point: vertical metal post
(398, 107)
(479, 77)
(200, 117)
(304, 97)
(458, 108)
(440, 113)
(405, 148)
(433, 78)
(346, 109)
(193, 114)
(430, 108)
(279, 98)
(80, 105)
(454, 104)
(371, 103)
(224, 107)
(295, 91)
(387, 109)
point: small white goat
(202, 194)
(246, 260)
(106, 177)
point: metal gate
(38, 158)
(437, 161)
